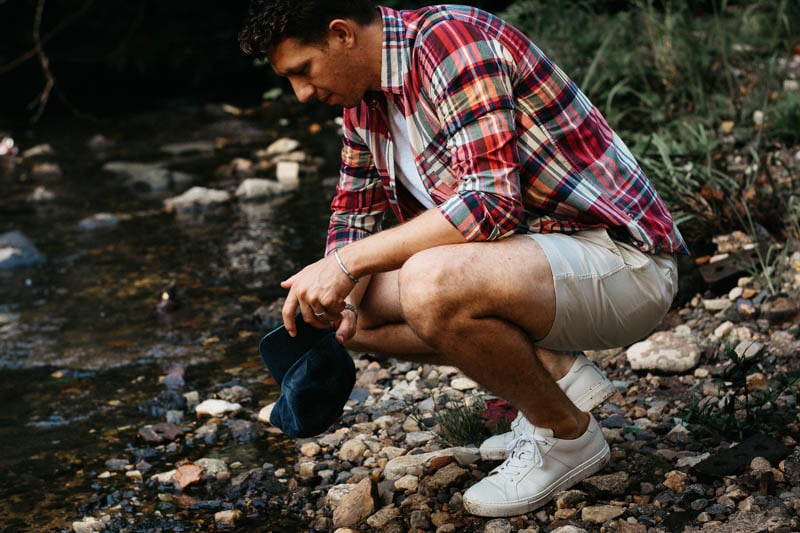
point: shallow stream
(83, 346)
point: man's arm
(322, 287)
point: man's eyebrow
(298, 69)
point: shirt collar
(395, 59)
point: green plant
(741, 411)
(462, 424)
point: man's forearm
(389, 249)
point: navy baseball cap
(316, 375)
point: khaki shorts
(608, 294)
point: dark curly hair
(269, 22)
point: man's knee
(427, 292)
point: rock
(190, 148)
(381, 518)
(148, 177)
(352, 451)
(615, 484)
(600, 514)
(41, 195)
(279, 147)
(407, 483)
(500, 525)
(623, 526)
(88, 525)
(418, 438)
(227, 519)
(197, 199)
(664, 351)
(186, 475)
(451, 475)
(748, 349)
(310, 449)
(288, 174)
(216, 408)
(357, 505)
(463, 384)
(98, 221)
(779, 309)
(259, 189)
(158, 433)
(676, 481)
(212, 467)
(410, 464)
(17, 251)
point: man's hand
(319, 291)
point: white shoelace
(524, 449)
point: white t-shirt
(404, 166)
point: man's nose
(303, 90)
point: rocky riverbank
(676, 463)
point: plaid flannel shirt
(504, 141)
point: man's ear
(343, 31)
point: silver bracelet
(351, 307)
(344, 268)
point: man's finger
(288, 313)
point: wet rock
(216, 408)
(243, 431)
(175, 378)
(188, 474)
(88, 525)
(212, 467)
(148, 177)
(281, 146)
(99, 221)
(357, 505)
(158, 433)
(235, 393)
(189, 148)
(664, 351)
(260, 189)
(17, 251)
(226, 519)
(41, 195)
(196, 200)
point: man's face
(326, 72)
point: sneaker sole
(504, 509)
(590, 399)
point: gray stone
(260, 188)
(197, 199)
(149, 177)
(17, 251)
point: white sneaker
(584, 384)
(538, 467)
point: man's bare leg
(466, 303)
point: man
(526, 227)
